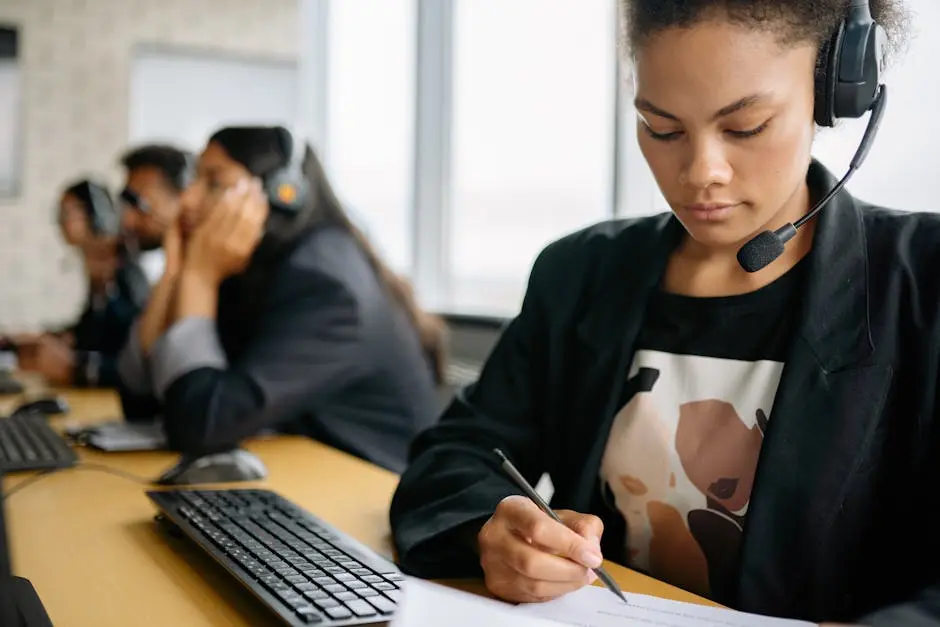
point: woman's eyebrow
(643, 104)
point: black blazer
(103, 326)
(315, 346)
(844, 517)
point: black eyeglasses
(134, 200)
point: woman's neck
(698, 270)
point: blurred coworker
(86, 210)
(275, 313)
(85, 354)
(156, 176)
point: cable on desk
(83, 465)
(25, 483)
(117, 472)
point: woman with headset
(727, 397)
(274, 312)
(85, 353)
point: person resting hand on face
(274, 312)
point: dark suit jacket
(844, 517)
(314, 346)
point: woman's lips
(711, 212)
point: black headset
(101, 210)
(850, 65)
(287, 187)
(848, 85)
(97, 205)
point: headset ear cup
(286, 191)
(103, 215)
(286, 187)
(827, 74)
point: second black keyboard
(305, 571)
(27, 442)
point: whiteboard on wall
(183, 97)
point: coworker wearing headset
(85, 353)
(86, 212)
(768, 437)
(274, 312)
(156, 176)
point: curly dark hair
(796, 21)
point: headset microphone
(766, 246)
(848, 83)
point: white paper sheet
(593, 606)
(426, 604)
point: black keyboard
(9, 385)
(27, 442)
(304, 570)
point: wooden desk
(87, 540)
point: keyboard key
(309, 615)
(382, 604)
(366, 592)
(361, 608)
(338, 612)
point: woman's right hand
(173, 251)
(527, 557)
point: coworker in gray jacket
(275, 312)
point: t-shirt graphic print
(680, 462)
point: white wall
(76, 58)
(220, 91)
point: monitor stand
(31, 611)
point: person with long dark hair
(274, 312)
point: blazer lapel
(608, 332)
(828, 402)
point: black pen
(532, 494)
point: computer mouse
(47, 406)
(230, 466)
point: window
(465, 135)
(183, 97)
(370, 118)
(532, 139)
(10, 146)
(901, 169)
